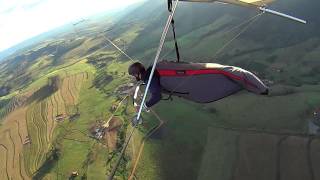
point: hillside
(65, 106)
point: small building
(60, 117)
(316, 115)
(113, 108)
(279, 70)
(27, 141)
(97, 131)
(74, 174)
(99, 135)
(125, 89)
(314, 124)
(74, 117)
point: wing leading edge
(255, 3)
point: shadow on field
(159, 133)
(49, 163)
(180, 158)
(45, 91)
(101, 80)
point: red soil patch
(111, 133)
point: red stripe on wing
(170, 72)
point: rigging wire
(146, 137)
(224, 33)
(125, 145)
(105, 37)
(119, 49)
(165, 55)
(163, 36)
(243, 23)
(253, 19)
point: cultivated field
(12, 138)
(250, 155)
(27, 131)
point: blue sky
(23, 19)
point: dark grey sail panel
(200, 88)
(206, 82)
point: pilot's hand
(137, 108)
(144, 108)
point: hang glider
(260, 4)
(207, 81)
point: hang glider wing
(260, 4)
(256, 3)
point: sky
(23, 19)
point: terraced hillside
(12, 140)
(42, 119)
(29, 129)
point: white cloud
(22, 19)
